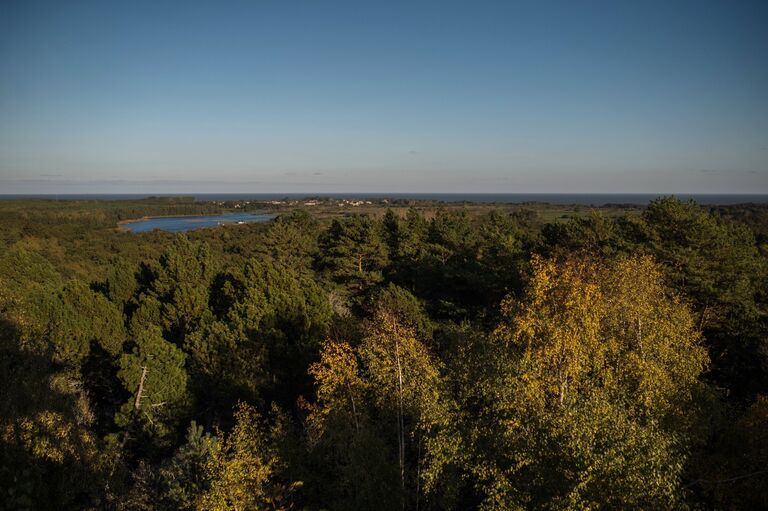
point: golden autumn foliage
(242, 468)
(404, 379)
(48, 435)
(593, 403)
(586, 325)
(391, 377)
(557, 328)
(338, 384)
(399, 367)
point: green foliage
(184, 478)
(716, 263)
(405, 385)
(354, 252)
(269, 321)
(21, 268)
(148, 314)
(407, 308)
(291, 241)
(121, 284)
(181, 285)
(501, 252)
(65, 321)
(164, 397)
(459, 264)
(78, 316)
(595, 234)
(714, 260)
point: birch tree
(592, 394)
(404, 380)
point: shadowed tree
(349, 467)
(268, 323)
(716, 263)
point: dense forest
(409, 359)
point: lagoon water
(188, 223)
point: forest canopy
(413, 358)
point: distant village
(309, 202)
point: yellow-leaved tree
(404, 380)
(343, 438)
(339, 386)
(592, 393)
(386, 388)
(242, 469)
(587, 325)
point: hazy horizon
(347, 97)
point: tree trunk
(354, 409)
(137, 402)
(126, 435)
(400, 424)
(418, 474)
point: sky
(323, 96)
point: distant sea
(588, 199)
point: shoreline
(121, 224)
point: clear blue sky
(263, 96)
